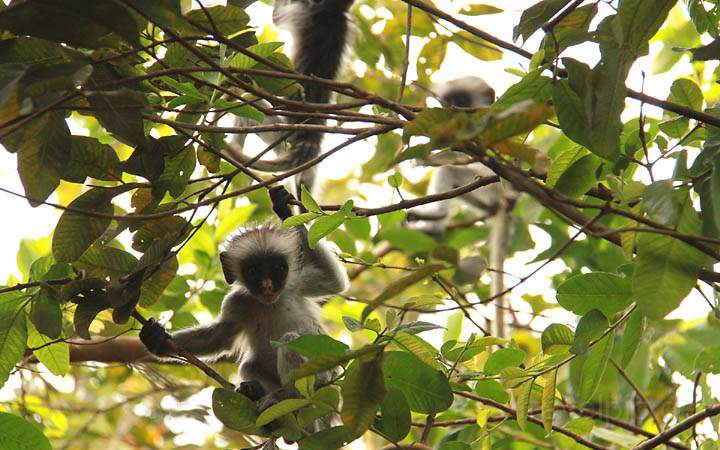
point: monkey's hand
(251, 389)
(281, 199)
(155, 338)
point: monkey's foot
(154, 336)
(280, 200)
(275, 397)
(251, 389)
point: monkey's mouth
(268, 294)
(268, 297)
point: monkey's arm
(212, 339)
(321, 272)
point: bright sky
(24, 221)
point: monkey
(275, 276)
(321, 32)
(471, 92)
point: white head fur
(476, 92)
(263, 240)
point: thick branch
(668, 434)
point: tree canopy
(118, 113)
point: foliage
(115, 109)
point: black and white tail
(321, 32)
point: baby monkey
(274, 276)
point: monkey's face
(265, 276)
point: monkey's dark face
(461, 98)
(265, 276)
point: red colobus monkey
(471, 92)
(275, 277)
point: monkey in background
(274, 276)
(321, 33)
(471, 92)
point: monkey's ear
(225, 261)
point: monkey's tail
(321, 34)
(499, 237)
(303, 151)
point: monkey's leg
(251, 389)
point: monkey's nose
(267, 286)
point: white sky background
(24, 221)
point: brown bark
(123, 349)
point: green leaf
(425, 389)
(83, 23)
(408, 240)
(363, 390)
(492, 390)
(328, 361)
(300, 219)
(518, 119)
(120, 112)
(13, 333)
(580, 425)
(547, 405)
(395, 420)
(486, 51)
(323, 226)
(417, 347)
(352, 324)
(86, 312)
(500, 359)
(594, 368)
(666, 269)
(42, 146)
(54, 355)
(313, 345)
(75, 232)
(663, 203)
(176, 173)
(100, 261)
(521, 395)
(330, 439)
(606, 292)
(634, 329)
(280, 409)
(535, 16)
(580, 177)
(479, 10)
(18, 434)
(454, 445)
(709, 360)
(556, 335)
(571, 113)
(264, 49)
(227, 19)
(308, 201)
(90, 158)
(235, 411)
(46, 315)
(590, 327)
(416, 327)
(398, 286)
(155, 285)
(687, 93)
(359, 227)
